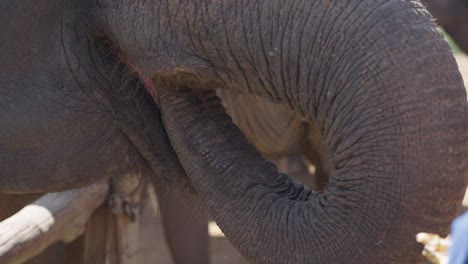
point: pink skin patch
(149, 85)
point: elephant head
(82, 82)
(72, 112)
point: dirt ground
(154, 249)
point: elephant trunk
(380, 83)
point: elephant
(452, 15)
(96, 88)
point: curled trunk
(376, 79)
(379, 82)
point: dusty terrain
(154, 249)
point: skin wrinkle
(262, 49)
(326, 40)
(170, 23)
(285, 71)
(291, 37)
(281, 41)
(340, 62)
(299, 53)
(230, 49)
(243, 236)
(200, 37)
(347, 117)
(203, 18)
(355, 135)
(354, 99)
(198, 11)
(339, 36)
(419, 44)
(295, 76)
(272, 31)
(190, 35)
(317, 104)
(273, 36)
(311, 78)
(249, 56)
(374, 42)
(337, 73)
(309, 48)
(239, 11)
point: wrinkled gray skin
(452, 15)
(278, 132)
(282, 135)
(375, 78)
